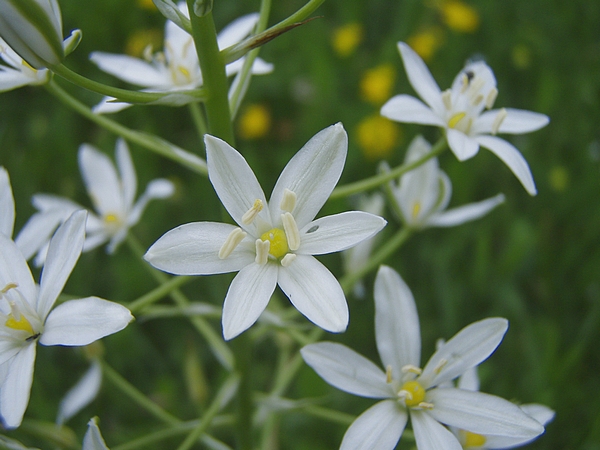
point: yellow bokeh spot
(346, 38)
(146, 4)
(559, 178)
(377, 83)
(140, 39)
(377, 137)
(426, 42)
(21, 324)
(278, 239)
(473, 439)
(521, 56)
(459, 16)
(413, 393)
(255, 122)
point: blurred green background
(534, 260)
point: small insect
(470, 75)
(313, 229)
(33, 337)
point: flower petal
(126, 170)
(7, 205)
(16, 388)
(466, 213)
(101, 181)
(38, 230)
(430, 435)
(131, 70)
(541, 413)
(378, 428)
(247, 297)
(312, 174)
(80, 395)
(315, 292)
(512, 158)
(237, 30)
(14, 270)
(469, 347)
(83, 321)
(193, 249)
(397, 329)
(407, 109)
(463, 146)
(157, 189)
(517, 121)
(338, 232)
(93, 439)
(345, 369)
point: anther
(262, 251)
(288, 202)
(447, 99)
(491, 98)
(438, 368)
(292, 233)
(388, 374)
(425, 405)
(465, 83)
(8, 287)
(288, 259)
(477, 100)
(416, 209)
(251, 214)
(476, 84)
(236, 236)
(409, 368)
(498, 120)
(455, 119)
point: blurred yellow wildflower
(139, 40)
(146, 4)
(346, 38)
(521, 56)
(255, 122)
(426, 42)
(459, 16)
(377, 83)
(377, 136)
(558, 178)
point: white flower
(423, 194)
(82, 394)
(274, 241)
(408, 390)
(27, 315)
(7, 205)
(460, 111)
(93, 439)
(112, 194)
(177, 68)
(15, 72)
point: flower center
(278, 242)
(472, 439)
(413, 393)
(19, 324)
(16, 319)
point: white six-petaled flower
(461, 111)
(27, 314)
(274, 241)
(16, 72)
(409, 390)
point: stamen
(416, 209)
(18, 321)
(498, 120)
(288, 259)
(453, 122)
(111, 218)
(491, 98)
(278, 242)
(186, 73)
(476, 84)
(447, 99)
(8, 287)
(388, 374)
(262, 251)
(288, 202)
(412, 393)
(465, 83)
(236, 236)
(477, 100)
(251, 214)
(291, 231)
(472, 439)
(409, 368)
(440, 366)
(425, 405)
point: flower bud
(33, 29)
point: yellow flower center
(19, 324)
(472, 439)
(413, 393)
(277, 238)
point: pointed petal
(312, 174)
(131, 70)
(156, 189)
(101, 181)
(93, 439)
(397, 329)
(237, 30)
(127, 172)
(193, 249)
(468, 348)
(517, 121)
(38, 230)
(46, 202)
(407, 109)
(16, 388)
(420, 78)
(247, 297)
(512, 158)
(378, 428)
(315, 292)
(108, 105)
(63, 253)
(8, 349)
(469, 380)
(463, 146)
(80, 395)
(13, 79)
(466, 213)
(235, 182)
(541, 413)
(481, 413)
(430, 435)
(7, 205)
(345, 369)
(338, 232)
(14, 270)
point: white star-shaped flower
(27, 314)
(112, 193)
(464, 111)
(423, 194)
(16, 72)
(409, 390)
(177, 67)
(274, 241)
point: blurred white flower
(460, 111)
(16, 72)
(112, 194)
(274, 241)
(423, 194)
(93, 439)
(409, 390)
(27, 315)
(7, 205)
(80, 395)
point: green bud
(33, 29)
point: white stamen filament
(498, 120)
(447, 99)
(232, 241)
(405, 395)
(388, 374)
(491, 98)
(292, 233)
(251, 214)
(288, 202)
(288, 259)
(438, 368)
(262, 251)
(465, 83)
(8, 287)
(477, 100)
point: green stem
(214, 79)
(199, 122)
(377, 180)
(329, 414)
(158, 293)
(243, 358)
(145, 140)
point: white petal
(512, 158)
(8, 349)
(469, 380)
(80, 395)
(312, 174)
(466, 213)
(430, 435)
(345, 369)
(93, 439)
(467, 348)
(420, 78)
(247, 297)
(397, 329)
(235, 182)
(46, 202)
(14, 270)
(517, 121)
(481, 413)
(156, 189)
(101, 180)
(13, 79)
(407, 109)
(63, 253)
(378, 428)
(127, 172)
(15, 390)
(7, 205)
(541, 413)
(315, 292)
(463, 146)
(193, 249)
(237, 30)
(108, 105)
(38, 230)
(132, 70)
(338, 232)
